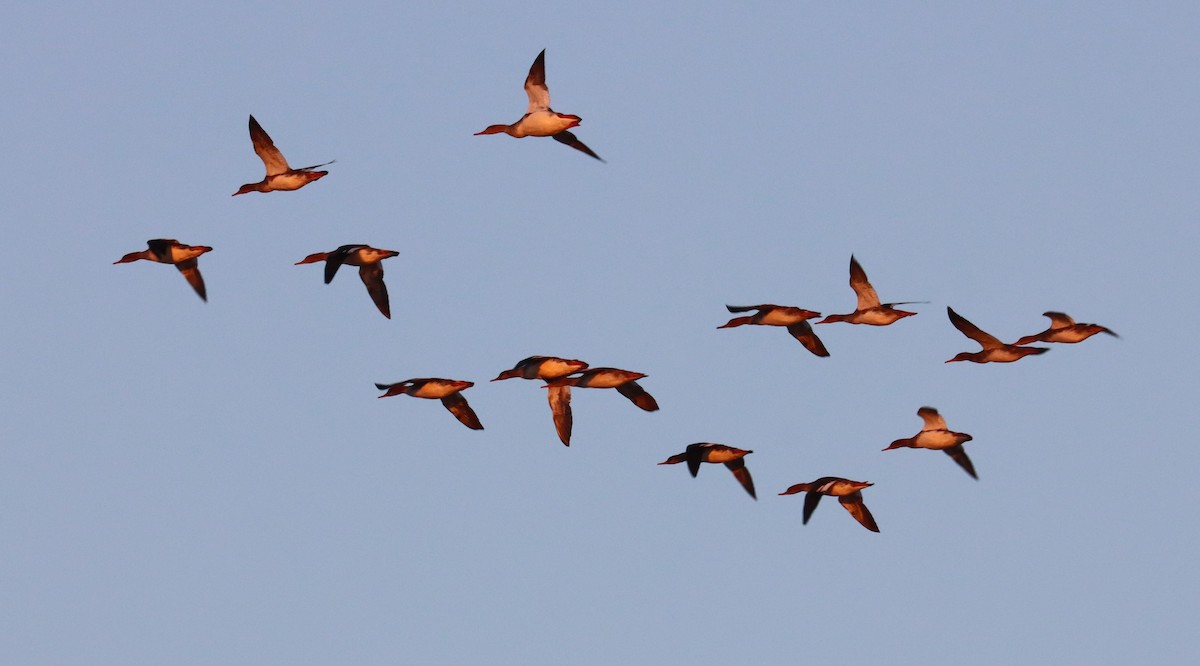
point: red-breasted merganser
(370, 269)
(171, 251)
(994, 351)
(870, 311)
(795, 319)
(934, 435)
(446, 390)
(625, 381)
(1064, 329)
(550, 368)
(703, 452)
(280, 176)
(848, 492)
(540, 119)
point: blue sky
(199, 483)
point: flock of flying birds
(560, 374)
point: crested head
(250, 187)
(965, 356)
(574, 120)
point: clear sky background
(216, 483)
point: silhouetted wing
(959, 454)
(161, 248)
(746, 308)
(638, 396)
(372, 276)
(742, 474)
(867, 298)
(266, 150)
(535, 85)
(334, 261)
(695, 456)
(972, 331)
(191, 272)
(560, 409)
(811, 500)
(854, 504)
(457, 404)
(570, 139)
(803, 331)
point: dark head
(494, 129)
(313, 258)
(250, 187)
(901, 443)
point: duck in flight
(549, 368)
(449, 391)
(540, 119)
(370, 269)
(848, 492)
(279, 176)
(869, 311)
(625, 381)
(994, 351)
(1064, 329)
(793, 318)
(171, 251)
(705, 452)
(934, 435)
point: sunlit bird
(848, 492)
(869, 311)
(705, 452)
(540, 119)
(934, 435)
(370, 269)
(550, 368)
(279, 176)
(1064, 329)
(625, 381)
(449, 391)
(171, 251)
(994, 351)
(793, 318)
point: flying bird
(705, 452)
(279, 176)
(848, 492)
(934, 435)
(449, 391)
(540, 119)
(869, 311)
(171, 251)
(795, 319)
(1064, 329)
(625, 381)
(994, 351)
(370, 269)
(550, 368)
